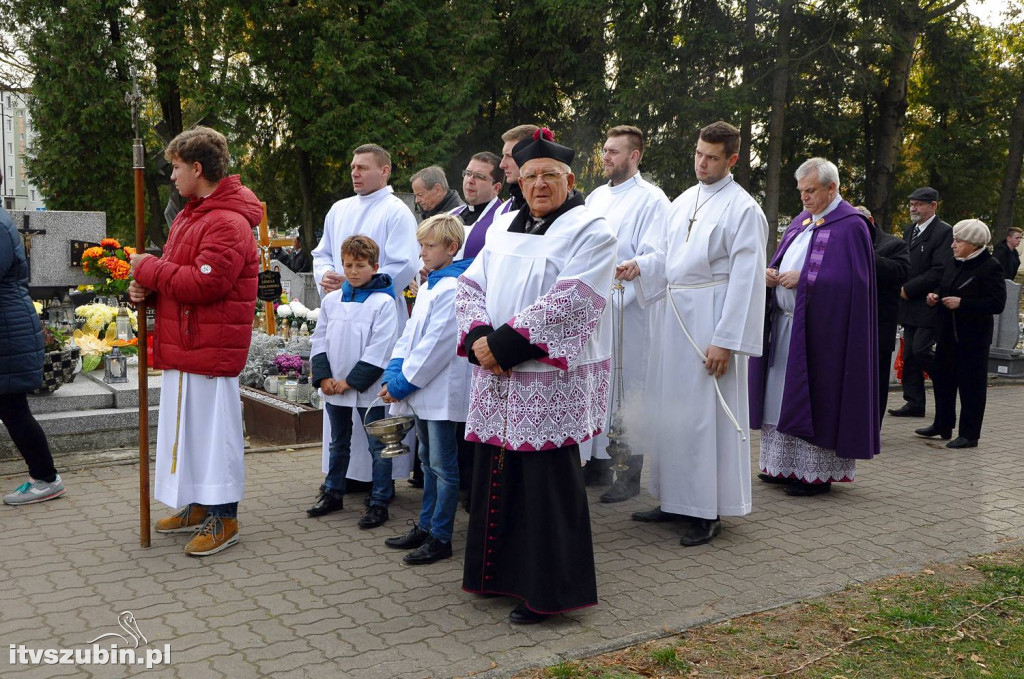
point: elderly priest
(529, 310)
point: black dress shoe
(961, 442)
(801, 489)
(430, 551)
(701, 532)
(657, 516)
(374, 516)
(416, 482)
(780, 480)
(932, 430)
(326, 502)
(521, 615)
(411, 540)
(621, 491)
(906, 411)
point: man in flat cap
(530, 311)
(930, 240)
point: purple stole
(475, 242)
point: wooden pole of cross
(138, 170)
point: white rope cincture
(703, 356)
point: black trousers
(963, 370)
(918, 358)
(28, 436)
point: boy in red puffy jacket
(204, 292)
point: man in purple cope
(814, 392)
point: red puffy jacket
(205, 283)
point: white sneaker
(35, 491)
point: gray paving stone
(317, 598)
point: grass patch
(964, 619)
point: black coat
(1008, 259)
(21, 333)
(928, 259)
(981, 288)
(892, 265)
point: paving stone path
(299, 597)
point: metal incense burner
(391, 431)
(617, 447)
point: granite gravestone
(298, 286)
(48, 237)
(1004, 358)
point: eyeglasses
(477, 175)
(548, 177)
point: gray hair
(826, 169)
(431, 177)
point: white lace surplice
(552, 289)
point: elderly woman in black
(970, 293)
(21, 370)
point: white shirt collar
(831, 206)
(925, 224)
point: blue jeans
(341, 446)
(224, 511)
(439, 455)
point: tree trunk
(305, 175)
(777, 124)
(892, 112)
(1011, 175)
(909, 22)
(746, 119)
(155, 230)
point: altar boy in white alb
(632, 205)
(376, 212)
(432, 383)
(707, 261)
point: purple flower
(288, 362)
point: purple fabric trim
(477, 237)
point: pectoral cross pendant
(689, 229)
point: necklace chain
(693, 217)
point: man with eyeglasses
(632, 205)
(530, 311)
(930, 240)
(481, 183)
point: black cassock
(529, 529)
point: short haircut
(826, 169)
(382, 156)
(497, 174)
(519, 133)
(361, 247)
(202, 145)
(445, 229)
(1009, 232)
(631, 133)
(431, 177)
(863, 209)
(721, 132)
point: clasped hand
(482, 351)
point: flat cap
(925, 193)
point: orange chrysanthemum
(110, 243)
(129, 251)
(119, 269)
(94, 252)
